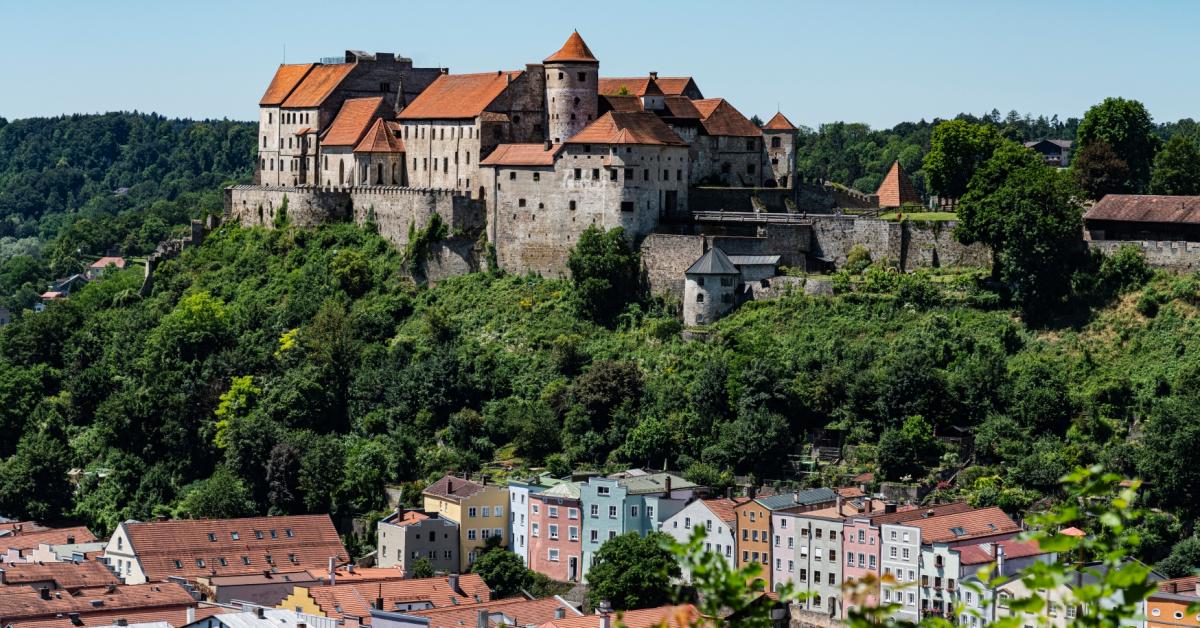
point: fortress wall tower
(572, 84)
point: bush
(1123, 271)
(858, 259)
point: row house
(407, 536)
(754, 527)
(519, 492)
(634, 501)
(718, 518)
(479, 509)
(556, 532)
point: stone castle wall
(1171, 255)
(907, 245)
(665, 256)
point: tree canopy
(632, 571)
(1126, 126)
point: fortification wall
(252, 205)
(665, 256)
(907, 245)
(741, 199)
(1171, 255)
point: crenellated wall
(1171, 255)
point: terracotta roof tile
(286, 78)
(318, 85)
(681, 107)
(355, 598)
(1146, 208)
(573, 51)
(455, 96)
(55, 536)
(519, 611)
(360, 574)
(522, 155)
(159, 544)
(636, 86)
(851, 491)
(175, 616)
(65, 575)
(452, 488)
(1185, 585)
(621, 103)
(380, 139)
(721, 118)
(723, 508)
(13, 528)
(408, 517)
(779, 122)
(902, 516)
(104, 262)
(352, 121)
(964, 525)
(628, 127)
(682, 616)
(986, 552)
(896, 189)
(30, 605)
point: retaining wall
(1171, 255)
(907, 245)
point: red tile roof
(176, 616)
(522, 155)
(1146, 208)
(573, 51)
(360, 574)
(721, 118)
(986, 552)
(380, 139)
(104, 262)
(408, 517)
(456, 96)
(13, 528)
(682, 616)
(352, 121)
(896, 189)
(628, 127)
(681, 107)
(850, 491)
(1073, 531)
(65, 575)
(621, 103)
(1185, 585)
(909, 514)
(159, 544)
(452, 488)
(723, 508)
(636, 86)
(30, 605)
(981, 522)
(318, 85)
(652, 89)
(56, 536)
(779, 122)
(519, 611)
(286, 78)
(356, 598)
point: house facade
(407, 536)
(519, 493)
(556, 529)
(716, 517)
(480, 510)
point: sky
(879, 62)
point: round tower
(572, 88)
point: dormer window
(258, 534)
(178, 564)
(287, 532)
(199, 562)
(234, 536)
(212, 537)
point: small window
(224, 563)
(582, 78)
(178, 564)
(212, 536)
(595, 173)
(572, 204)
(578, 174)
(199, 562)
(626, 206)
(700, 299)
(520, 202)
(628, 173)
(258, 534)
(537, 176)
(512, 175)
(245, 560)
(287, 532)
(646, 174)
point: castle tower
(897, 189)
(572, 84)
(779, 137)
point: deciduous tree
(632, 571)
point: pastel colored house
(556, 532)
(1168, 606)
(754, 527)
(807, 549)
(99, 266)
(519, 492)
(480, 510)
(633, 501)
(718, 519)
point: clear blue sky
(879, 62)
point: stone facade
(907, 245)
(707, 297)
(405, 538)
(1171, 255)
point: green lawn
(927, 216)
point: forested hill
(73, 188)
(295, 371)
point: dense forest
(74, 188)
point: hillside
(295, 371)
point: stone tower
(779, 137)
(572, 84)
(710, 288)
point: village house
(480, 510)
(556, 532)
(352, 601)
(516, 611)
(98, 267)
(754, 528)
(53, 576)
(1056, 153)
(974, 598)
(19, 540)
(162, 602)
(1148, 217)
(519, 492)
(261, 617)
(407, 536)
(1168, 606)
(718, 519)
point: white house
(717, 518)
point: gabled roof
(651, 483)
(405, 518)
(57, 536)
(456, 96)
(1146, 208)
(714, 262)
(452, 488)
(1058, 143)
(356, 598)
(516, 612)
(779, 122)
(575, 50)
(628, 127)
(680, 107)
(380, 139)
(896, 189)
(104, 262)
(522, 155)
(965, 525)
(318, 85)
(286, 78)
(909, 514)
(65, 575)
(682, 616)
(565, 490)
(652, 89)
(806, 497)
(310, 539)
(721, 118)
(984, 553)
(636, 86)
(28, 604)
(352, 121)
(620, 103)
(723, 508)
(155, 617)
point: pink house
(556, 532)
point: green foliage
(1177, 168)
(957, 149)
(632, 571)
(504, 572)
(1127, 128)
(1184, 559)
(719, 589)
(858, 259)
(221, 496)
(416, 252)
(1123, 271)
(33, 482)
(1098, 170)
(605, 272)
(908, 450)
(421, 568)
(281, 216)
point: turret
(779, 136)
(572, 84)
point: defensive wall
(1172, 255)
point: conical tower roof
(574, 51)
(779, 123)
(896, 188)
(714, 262)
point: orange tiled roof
(380, 139)
(681, 616)
(779, 122)
(850, 491)
(452, 488)
(286, 78)
(910, 513)
(318, 85)
(30, 605)
(622, 103)
(896, 189)
(965, 525)
(355, 598)
(520, 611)
(681, 107)
(352, 121)
(455, 96)
(159, 544)
(65, 575)
(54, 536)
(721, 118)
(723, 508)
(522, 155)
(176, 616)
(986, 552)
(408, 517)
(636, 86)
(573, 51)
(628, 127)
(360, 574)
(103, 262)
(13, 528)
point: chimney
(547, 145)
(350, 568)
(870, 504)
(481, 618)
(729, 492)
(668, 483)
(840, 501)
(44, 593)
(332, 572)
(654, 75)
(379, 603)
(928, 513)
(259, 612)
(266, 573)
(560, 613)
(605, 621)
(449, 486)
(452, 580)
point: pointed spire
(779, 123)
(574, 51)
(896, 188)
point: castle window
(541, 206)
(595, 173)
(578, 174)
(443, 134)
(612, 174)
(516, 119)
(264, 141)
(272, 165)
(560, 76)
(281, 142)
(666, 175)
(405, 132)
(700, 281)
(774, 161)
(445, 164)
(750, 144)
(456, 158)
(750, 168)
(575, 103)
(414, 163)
(425, 163)
(537, 176)
(628, 173)
(587, 148)
(572, 116)
(582, 78)
(679, 175)
(385, 87)
(646, 174)
(468, 156)
(626, 206)
(520, 202)
(512, 175)
(270, 118)
(699, 297)
(571, 205)
(776, 142)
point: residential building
(716, 517)
(807, 551)
(354, 602)
(44, 608)
(507, 612)
(1168, 606)
(65, 552)
(266, 588)
(1062, 605)
(754, 527)
(480, 510)
(407, 536)
(556, 532)
(263, 617)
(98, 267)
(1056, 153)
(55, 576)
(682, 616)
(633, 501)
(157, 550)
(972, 596)
(20, 539)
(1144, 217)
(518, 511)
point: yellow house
(480, 510)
